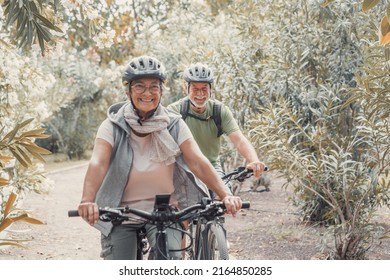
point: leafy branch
(12, 215)
(22, 147)
(30, 23)
(384, 28)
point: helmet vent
(142, 67)
(198, 73)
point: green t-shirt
(205, 132)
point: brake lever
(244, 174)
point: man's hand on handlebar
(232, 203)
(89, 211)
(257, 167)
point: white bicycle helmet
(198, 73)
(143, 67)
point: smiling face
(145, 94)
(199, 94)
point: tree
(23, 107)
(312, 134)
(20, 117)
(288, 74)
(31, 21)
(384, 28)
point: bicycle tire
(216, 246)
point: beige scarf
(164, 148)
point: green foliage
(88, 91)
(311, 134)
(29, 22)
(10, 215)
(297, 59)
(17, 145)
(21, 146)
(307, 80)
(329, 184)
(368, 5)
(74, 127)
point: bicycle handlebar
(159, 216)
(240, 174)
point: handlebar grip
(245, 205)
(73, 213)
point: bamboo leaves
(30, 24)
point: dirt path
(270, 230)
(62, 237)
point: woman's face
(146, 94)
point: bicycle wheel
(216, 245)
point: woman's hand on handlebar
(258, 168)
(89, 211)
(232, 203)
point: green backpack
(185, 105)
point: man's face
(146, 94)
(199, 93)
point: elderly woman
(141, 150)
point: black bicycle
(210, 241)
(237, 177)
(164, 216)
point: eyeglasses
(140, 88)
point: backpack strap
(185, 106)
(184, 111)
(217, 118)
